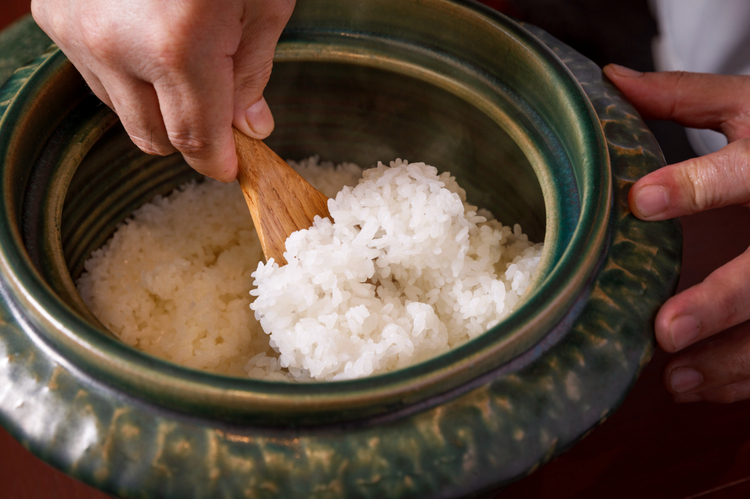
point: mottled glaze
(463, 424)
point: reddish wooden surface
(10, 10)
(650, 447)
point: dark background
(650, 447)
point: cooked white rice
(405, 271)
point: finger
(696, 100)
(252, 69)
(717, 371)
(711, 181)
(137, 105)
(253, 62)
(721, 301)
(724, 394)
(196, 103)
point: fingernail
(687, 397)
(624, 72)
(684, 330)
(260, 119)
(684, 379)
(651, 200)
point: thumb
(253, 61)
(711, 181)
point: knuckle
(680, 75)
(742, 152)
(743, 162)
(171, 53)
(693, 191)
(256, 78)
(732, 170)
(189, 144)
(149, 146)
(677, 80)
(708, 182)
(172, 41)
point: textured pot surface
(531, 130)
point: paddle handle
(279, 199)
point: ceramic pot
(527, 126)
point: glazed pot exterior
(528, 126)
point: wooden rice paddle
(279, 199)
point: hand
(720, 370)
(178, 73)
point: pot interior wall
(341, 112)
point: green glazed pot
(527, 126)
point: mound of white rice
(405, 271)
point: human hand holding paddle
(178, 73)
